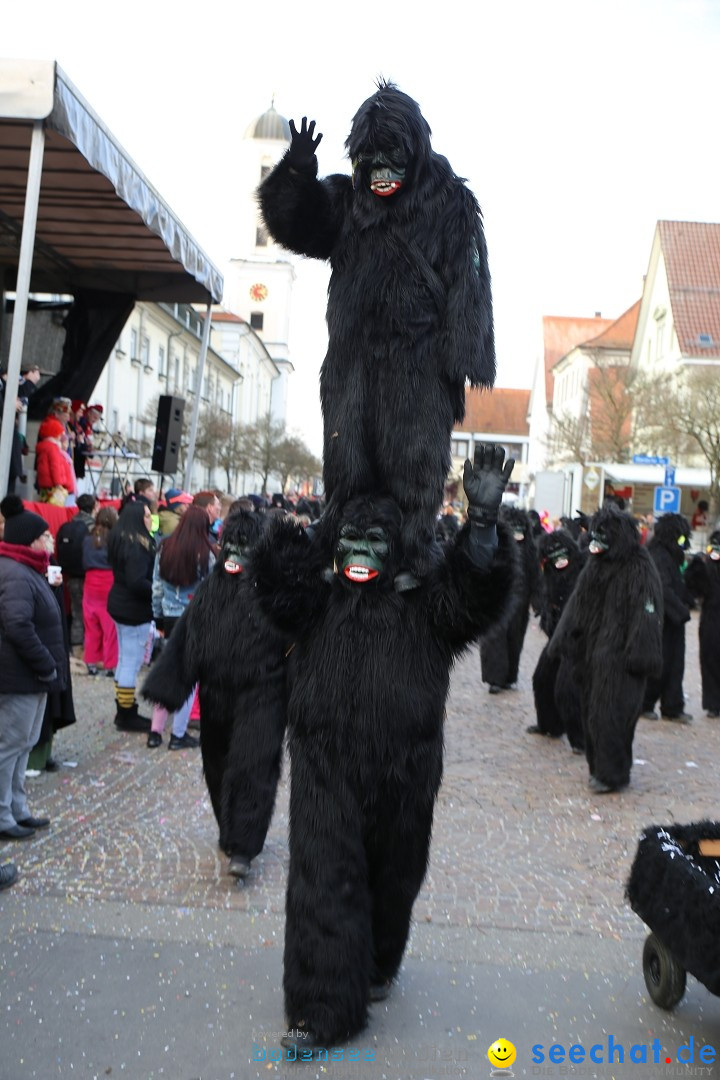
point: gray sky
(577, 124)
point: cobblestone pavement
(525, 882)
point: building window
(161, 360)
(459, 448)
(145, 352)
(133, 345)
(256, 320)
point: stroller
(674, 886)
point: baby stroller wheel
(664, 977)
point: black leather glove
(301, 154)
(485, 481)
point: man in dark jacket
(667, 550)
(32, 657)
(70, 539)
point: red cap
(76, 405)
(97, 408)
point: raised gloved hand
(485, 481)
(301, 154)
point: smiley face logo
(501, 1054)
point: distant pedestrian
(131, 554)
(101, 645)
(69, 548)
(183, 560)
(32, 657)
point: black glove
(301, 155)
(485, 481)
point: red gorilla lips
(359, 573)
(385, 187)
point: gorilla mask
(673, 531)
(365, 549)
(558, 557)
(613, 533)
(389, 140)
(240, 532)
(361, 554)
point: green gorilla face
(360, 554)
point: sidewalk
(126, 949)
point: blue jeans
(131, 649)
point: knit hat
(77, 404)
(50, 429)
(95, 408)
(21, 525)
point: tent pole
(198, 388)
(22, 291)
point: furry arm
(303, 214)
(644, 653)
(466, 599)
(286, 567)
(468, 342)
(172, 676)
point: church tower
(258, 284)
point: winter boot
(127, 717)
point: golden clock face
(258, 292)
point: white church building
(247, 369)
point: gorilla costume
(500, 649)
(702, 579)
(557, 702)
(224, 642)
(667, 549)
(371, 667)
(409, 307)
(611, 632)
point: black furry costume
(667, 550)
(500, 649)
(409, 307)
(611, 631)
(224, 642)
(371, 669)
(702, 579)
(676, 891)
(557, 701)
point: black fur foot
(379, 991)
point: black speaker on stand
(168, 431)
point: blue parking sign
(667, 500)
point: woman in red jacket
(55, 476)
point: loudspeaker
(167, 434)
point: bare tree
(264, 436)
(683, 416)
(223, 444)
(293, 460)
(606, 429)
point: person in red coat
(55, 476)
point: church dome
(271, 125)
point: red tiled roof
(226, 316)
(502, 411)
(561, 333)
(691, 250)
(619, 335)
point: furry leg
(327, 929)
